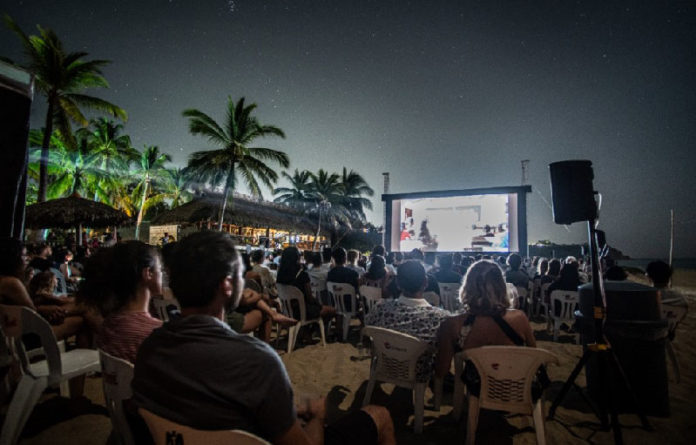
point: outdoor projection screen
(474, 220)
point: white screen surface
(471, 223)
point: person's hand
(311, 409)
(54, 314)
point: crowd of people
(199, 369)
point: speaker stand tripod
(607, 362)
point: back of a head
(616, 273)
(314, 258)
(257, 256)
(445, 261)
(377, 268)
(429, 258)
(378, 250)
(200, 263)
(514, 261)
(457, 258)
(41, 282)
(484, 290)
(339, 256)
(11, 261)
(554, 268)
(416, 254)
(353, 256)
(659, 273)
(289, 266)
(543, 266)
(411, 278)
(111, 276)
(569, 272)
(326, 254)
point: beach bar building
(251, 222)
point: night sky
(443, 95)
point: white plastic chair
(673, 315)
(507, 373)
(372, 296)
(568, 302)
(523, 299)
(449, 296)
(287, 293)
(394, 357)
(543, 306)
(166, 432)
(58, 367)
(432, 298)
(338, 293)
(318, 286)
(117, 375)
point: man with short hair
(411, 314)
(352, 261)
(515, 275)
(445, 274)
(340, 273)
(198, 372)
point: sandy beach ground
(340, 371)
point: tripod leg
(610, 396)
(639, 407)
(568, 383)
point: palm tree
(113, 152)
(176, 185)
(71, 169)
(149, 169)
(297, 195)
(354, 188)
(326, 192)
(235, 156)
(61, 76)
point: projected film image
(461, 223)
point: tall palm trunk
(96, 186)
(316, 236)
(229, 184)
(142, 204)
(43, 163)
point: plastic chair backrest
(372, 295)
(287, 293)
(160, 306)
(394, 355)
(449, 296)
(544, 291)
(568, 301)
(166, 432)
(673, 315)
(317, 286)
(117, 375)
(507, 373)
(432, 298)
(339, 292)
(17, 321)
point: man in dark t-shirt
(199, 372)
(340, 273)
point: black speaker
(16, 92)
(572, 192)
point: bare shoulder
(516, 316)
(12, 290)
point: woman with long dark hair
(119, 282)
(290, 272)
(378, 276)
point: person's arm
(250, 297)
(447, 335)
(14, 291)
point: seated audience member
(615, 273)
(487, 317)
(267, 280)
(568, 278)
(199, 372)
(391, 263)
(515, 275)
(542, 268)
(119, 282)
(432, 284)
(340, 273)
(43, 257)
(552, 273)
(290, 272)
(352, 261)
(445, 274)
(317, 271)
(378, 276)
(411, 314)
(660, 274)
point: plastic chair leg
(556, 328)
(292, 336)
(368, 391)
(539, 423)
(472, 420)
(458, 396)
(418, 407)
(22, 404)
(346, 326)
(321, 331)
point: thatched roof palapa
(72, 211)
(240, 211)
